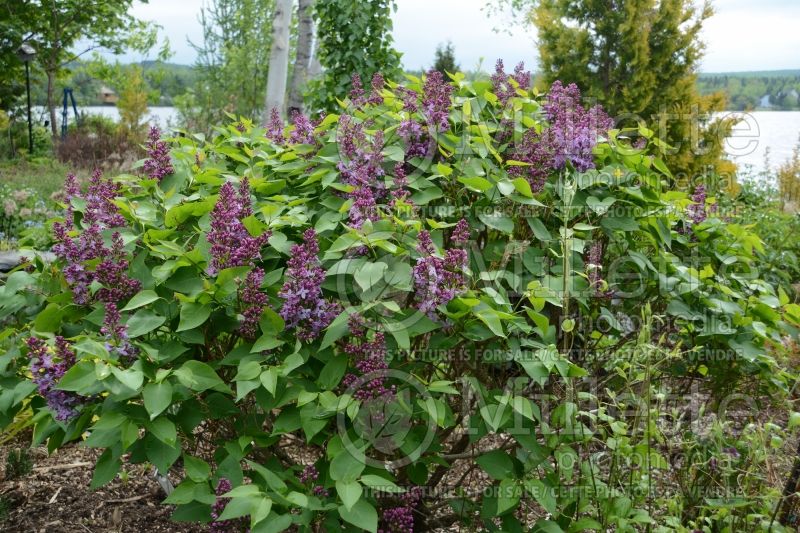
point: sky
(742, 35)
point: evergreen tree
(445, 59)
(636, 57)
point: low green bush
(23, 217)
(333, 325)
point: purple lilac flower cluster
(437, 280)
(534, 149)
(223, 526)
(361, 168)
(100, 208)
(112, 273)
(116, 334)
(304, 308)
(698, 210)
(571, 136)
(573, 128)
(253, 303)
(310, 474)
(231, 243)
(502, 86)
(400, 519)
(303, 132)
(436, 100)
(369, 359)
(417, 142)
(46, 371)
(158, 164)
(275, 127)
(460, 235)
(100, 213)
(359, 97)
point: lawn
(45, 176)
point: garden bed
(55, 496)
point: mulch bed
(55, 497)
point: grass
(43, 175)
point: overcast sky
(742, 35)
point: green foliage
(12, 77)
(772, 215)
(789, 181)
(527, 373)
(62, 30)
(5, 507)
(24, 213)
(18, 463)
(232, 63)
(132, 104)
(354, 37)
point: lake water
(758, 131)
(162, 116)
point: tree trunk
(305, 37)
(278, 58)
(51, 104)
(314, 66)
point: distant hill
(745, 90)
(766, 89)
(788, 73)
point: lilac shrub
(402, 297)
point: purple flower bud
(158, 163)
(437, 280)
(231, 243)
(79, 253)
(253, 303)
(235, 525)
(275, 127)
(436, 100)
(570, 137)
(303, 132)
(47, 371)
(460, 234)
(502, 86)
(304, 307)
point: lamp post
(26, 53)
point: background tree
(63, 30)
(445, 59)
(354, 37)
(278, 58)
(234, 54)
(635, 57)
(12, 80)
(302, 61)
(132, 103)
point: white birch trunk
(278, 58)
(305, 37)
(314, 67)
